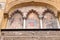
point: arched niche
(49, 20)
(32, 20)
(15, 21)
(25, 4)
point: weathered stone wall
(2, 11)
(12, 3)
(31, 35)
(28, 35)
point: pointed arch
(49, 19)
(32, 11)
(48, 11)
(32, 19)
(16, 12)
(15, 20)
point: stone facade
(11, 5)
(30, 35)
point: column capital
(41, 17)
(5, 15)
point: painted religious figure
(49, 20)
(32, 21)
(15, 22)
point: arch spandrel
(32, 3)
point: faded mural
(49, 20)
(32, 16)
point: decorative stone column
(24, 23)
(40, 22)
(57, 22)
(58, 18)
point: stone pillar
(41, 22)
(58, 22)
(58, 18)
(4, 21)
(24, 23)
